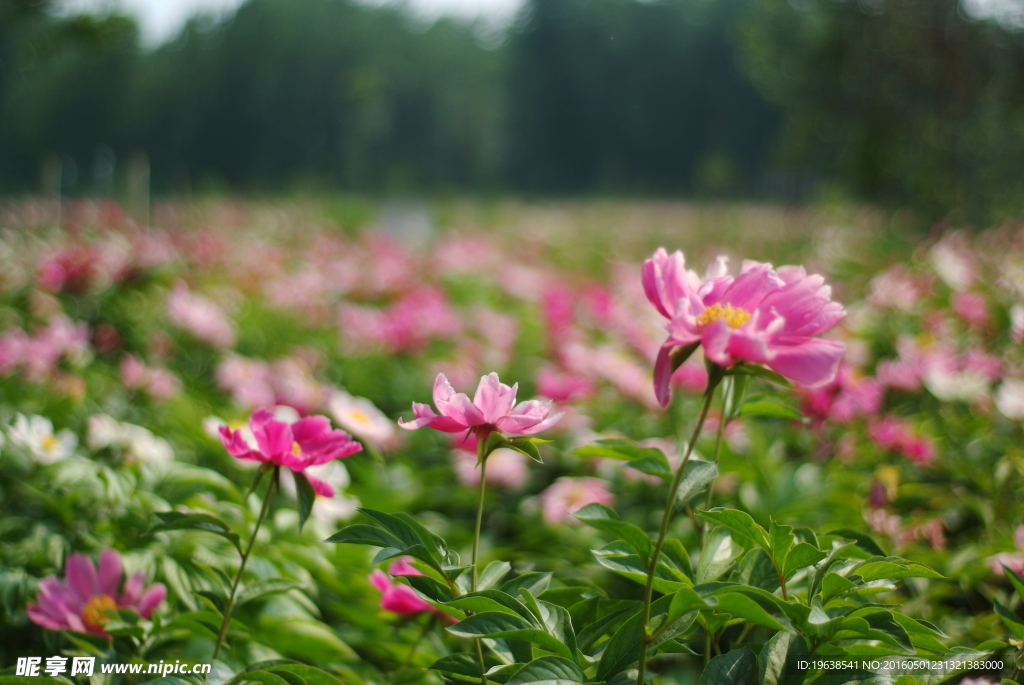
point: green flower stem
(713, 382)
(241, 568)
(720, 434)
(481, 447)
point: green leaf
(493, 600)
(674, 552)
(496, 624)
(744, 607)
(778, 661)
(176, 520)
(623, 647)
(597, 628)
(363, 534)
(877, 624)
(835, 585)
(262, 588)
(738, 667)
(771, 409)
(760, 372)
(266, 677)
(605, 519)
(719, 553)
(31, 680)
(527, 446)
(686, 600)
(624, 450)
(697, 477)
(653, 466)
(739, 523)
(1015, 579)
(802, 556)
(620, 557)
(492, 575)
(863, 541)
(893, 568)
(1010, 619)
(533, 581)
(782, 540)
(310, 674)
(736, 387)
(430, 588)
(757, 569)
(548, 670)
(411, 533)
(306, 495)
(462, 665)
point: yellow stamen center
(296, 450)
(360, 417)
(97, 611)
(734, 316)
(49, 443)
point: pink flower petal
(110, 572)
(808, 361)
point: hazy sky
(160, 20)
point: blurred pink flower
(493, 408)
(972, 308)
(73, 269)
(847, 397)
(897, 288)
(310, 441)
(248, 381)
(763, 316)
(160, 383)
(1012, 560)
(363, 419)
(895, 434)
(562, 386)
(567, 495)
(85, 600)
(199, 316)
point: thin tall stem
(666, 519)
(481, 447)
(230, 607)
(719, 435)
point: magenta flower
(398, 598)
(85, 600)
(299, 445)
(493, 408)
(763, 316)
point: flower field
(519, 444)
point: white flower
(136, 442)
(1010, 399)
(361, 417)
(36, 434)
(950, 386)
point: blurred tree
(905, 101)
(627, 95)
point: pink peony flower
(846, 398)
(891, 433)
(493, 408)
(567, 495)
(84, 601)
(563, 386)
(972, 308)
(764, 316)
(200, 317)
(398, 598)
(298, 445)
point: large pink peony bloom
(84, 601)
(763, 316)
(493, 408)
(299, 445)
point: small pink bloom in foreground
(398, 598)
(567, 495)
(493, 408)
(85, 600)
(298, 445)
(764, 316)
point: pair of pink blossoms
(764, 316)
